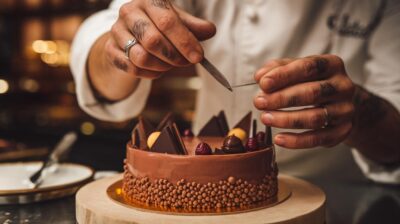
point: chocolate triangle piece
(268, 136)
(167, 120)
(145, 128)
(254, 129)
(178, 137)
(245, 123)
(135, 138)
(212, 128)
(169, 142)
(223, 123)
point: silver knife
(215, 73)
(59, 151)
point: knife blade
(214, 72)
(59, 151)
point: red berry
(203, 149)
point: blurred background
(37, 93)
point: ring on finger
(327, 117)
(129, 44)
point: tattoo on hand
(322, 64)
(371, 108)
(138, 29)
(120, 64)
(327, 89)
(164, 4)
(168, 53)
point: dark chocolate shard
(135, 139)
(223, 123)
(145, 128)
(268, 136)
(169, 142)
(217, 126)
(245, 123)
(254, 129)
(260, 136)
(167, 120)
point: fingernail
(279, 140)
(195, 57)
(267, 83)
(261, 101)
(267, 118)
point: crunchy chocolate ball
(203, 149)
(188, 133)
(232, 144)
(251, 145)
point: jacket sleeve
(91, 29)
(383, 79)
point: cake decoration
(169, 141)
(152, 138)
(238, 132)
(216, 126)
(204, 181)
(245, 123)
(260, 136)
(167, 120)
(232, 144)
(203, 149)
(251, 144)
(188, 133)
(268, 136)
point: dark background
(37, 93)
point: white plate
(15, 189)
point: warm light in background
(3, 86)
(29, 85)
(53, 53)
(87, 128)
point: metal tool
(61, 150)
(215, 73)
(246, 84)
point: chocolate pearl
(224, 187)
(219, 205)
(236, 200)
(231, 180)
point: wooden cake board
(305, 205)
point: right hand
(167, 37)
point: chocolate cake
(218, 169)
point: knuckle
(317, 120)
(141, 58)
(153, 41)
(309, 66)
(314, 94)
(166, 22)
(124, 10)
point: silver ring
(327, 117)
(130, 43)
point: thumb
(201, 29)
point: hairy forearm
(107, 76)
(376, 128)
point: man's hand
(319, 82)
(167, 37)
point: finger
(269, 66)
(324, 137)
(304, 94)
(310, 118)
(143, 29)
(168, 23)
(298, 71)
(118, 59)
(202, 29)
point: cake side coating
(201, 182)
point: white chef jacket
(364, 33)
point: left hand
(317, 81)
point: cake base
(305, 205)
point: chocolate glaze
(250, 166)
